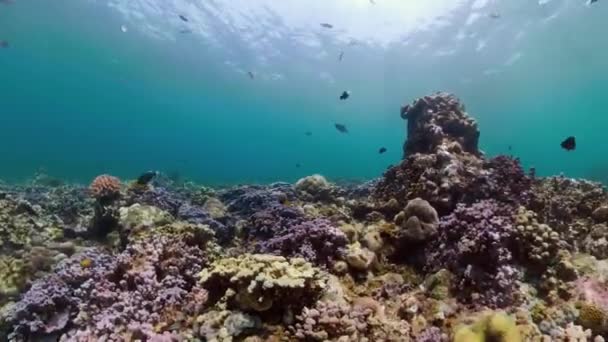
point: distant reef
(448, 245)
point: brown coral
(105, 187)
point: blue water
(80, 97)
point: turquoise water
(80, 97)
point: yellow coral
(258, 281)
(494, 326)
(13, 277)
(592, 317)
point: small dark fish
(341, 128)
(494, 15)
(345, 95)
(146, 177)
(569, 144)
(298, 165)
(308, 133)
(341, 56)
(250, 75)
(326, 25)
(3, 44)
(382, 150)
(592, 1)
(184, 31)
(183, 18)
(510, 148)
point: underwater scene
(303, 170)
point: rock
(314, 187)
(600, 214)
(140, 217)
(360, 259)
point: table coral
(261, 282)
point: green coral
(260, 282)
(494, 326)
(438, 284)
(13, 276)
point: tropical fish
(345, 95)
(250, 75)
(326, 25)
(298, 165)
(308, 133)
(341, 128)
(591, 2)
(494, 15)
(382, 150)
(341, 56)
(146, 177)
(569, 144)
(183, 18)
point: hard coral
(314, 188)
(418, 221)
(105, 188)
(317, 241)
(491, 327)
(261, 282)
(475, 243)
(329, 321)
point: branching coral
(105, 188)
(475, 243)
(317, 241)
(262, 282)
(329, 321)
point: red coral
(105, 187)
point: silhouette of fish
(183, 18)
(345, 95)
(569, 144)
(326, 25)
(591, 2)
(146, 177)
(308, 133)
(382, 150)
(510, 148)
(341, 56)
(341, 128)
(3, 44)
(250, 75)
(494, 15)
(184, 31)
(298, 165)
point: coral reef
(420, 254)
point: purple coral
(246, 200)
(106, 296)
(44, 309)
(475, 243)
(274, 220)
(504, 180)
(317, 241)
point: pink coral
(105, 187)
